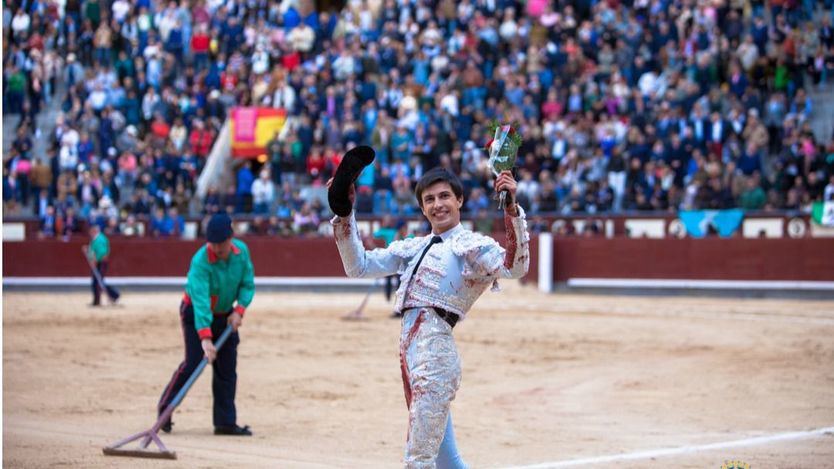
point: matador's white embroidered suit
(453, 273)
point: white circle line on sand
(653, 453)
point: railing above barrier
(776, 224)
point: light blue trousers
(448, 456)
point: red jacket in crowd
(200, 140)
(200, 43)
(160, 128)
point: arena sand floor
(548, 381)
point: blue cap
(219, 228)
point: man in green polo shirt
(98, 253)
(221, 275)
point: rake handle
(185, 387)
(151, 434)
(92, 264)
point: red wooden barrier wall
(170, 258)
(727, 259)
(705, 259)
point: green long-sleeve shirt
(99, 247)
(214, 284)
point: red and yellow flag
(252, 128)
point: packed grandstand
(640, 105)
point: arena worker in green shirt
(220, 286)
(98, 255)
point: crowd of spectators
(647, 105)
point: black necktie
(434, 240)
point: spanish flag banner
(252, 128)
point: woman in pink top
(552, 108)
(535, 8)
(127, 167)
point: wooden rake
(151, 434)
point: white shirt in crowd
(20, 23)
(70, 137)
(560, 147)
(97, 99)
(68, 157)
(260, 62)
(302, 38)
(149, 103)
(647, 83)
(366, 20)
(717, 131)
(120, 10)
(450, 104)
(263, 190)
(284, 97)
(508, 30)
(344, 66)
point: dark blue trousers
(224, 379)
(111, 292)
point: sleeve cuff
(240, 310)
(204, 333)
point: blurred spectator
(161, 224)
(263, 193)
(41, 180)
(365, 201)
(87, 193)
(43, 202)
(483, 222)
(71, 224)
(257, 226)
(537, 225)
(177, 221)
(753, 197)
(305, 221)
(11, 192)
(131, 227)
(15, 88)
(279, 227)
(403, 203)
(200, 139)
(244, 189)
(477, 201)
(387, 231)
(48, 223)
